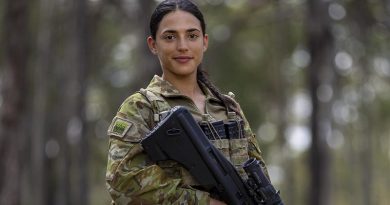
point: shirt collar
(166, 89)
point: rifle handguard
(260, 184)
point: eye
(169, 37)
(193, 36)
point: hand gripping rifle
(178, 137)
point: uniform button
(231, 94)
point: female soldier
(179, 40)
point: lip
(182, 59)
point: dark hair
(168, 6)
(229, 103)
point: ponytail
(229, 103)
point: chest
(197, 108)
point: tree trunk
(73, 158)
(13, 109)
(82, 42)
(320, 76)
(39, 186)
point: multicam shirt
(132, 178)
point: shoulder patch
(119, 127)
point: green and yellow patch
(119, 127)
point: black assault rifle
(178, 137)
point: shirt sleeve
(131, 178)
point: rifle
(178, 137)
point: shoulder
(133, 119)
(134, 104)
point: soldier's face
(179, 44)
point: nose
(182, 45)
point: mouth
(182, 59)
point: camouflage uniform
(132, 178)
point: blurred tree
(320, 82)
(147, 62)
(14, 92)
(40, 182)
(72, 127)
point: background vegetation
(313, 77)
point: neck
(187, 85)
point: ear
(205, 42)
(152, 45)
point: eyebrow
(188, 30)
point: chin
(184, 71)
(184, 74)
